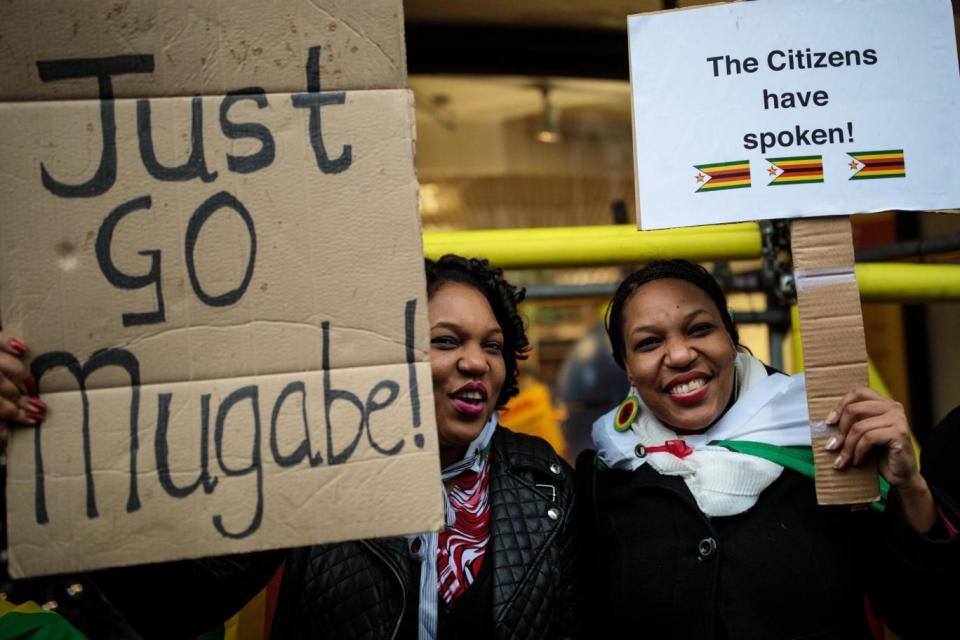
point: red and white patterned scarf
(449, 564)
(462, 545)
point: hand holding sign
(869, 422)
(844, 107)
(18, 393)
(718, 120)
(223, 293)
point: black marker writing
(103, 358)
(304, 450)
(162, 449)
(222, 200)
(263, 157)
(250, 393)
(123, 280)
(103, 69)
(240, 405)
(313, 100)
(194, 167)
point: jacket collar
(520, 524)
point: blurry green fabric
(29, 621)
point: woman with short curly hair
(503, 299)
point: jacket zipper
(513, 472)
(403, 587)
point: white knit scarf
(769, 408)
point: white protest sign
(785, 109)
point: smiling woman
(679, 356)
(672, 332)
(468, 572)
(466, 360)
(700, 515)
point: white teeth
(687, 387)
(475, 396)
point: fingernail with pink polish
(832, 418)
(31, 385)
(18, 347)
(36, 417)
(39, 405)
(838, 462)
(832, 444)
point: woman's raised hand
(18, 391)
(867, 422)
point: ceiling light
(549, 131)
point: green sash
(799, 459)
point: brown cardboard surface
(302, 503)
(202, 47)
(834, 349)
(357, 230)
(321, 322)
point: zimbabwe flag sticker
(722, 175)
(626, 414)
(871, 165)
(795, 170)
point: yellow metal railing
(599, 245)
(623, 244)
(902, 282)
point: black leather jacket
(359, 589)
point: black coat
(359, 589)
(784, 569)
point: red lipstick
(470, 399)
(692, 396)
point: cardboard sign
(225, 306)
(834, 347)
(784, 109)
(202, 47)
